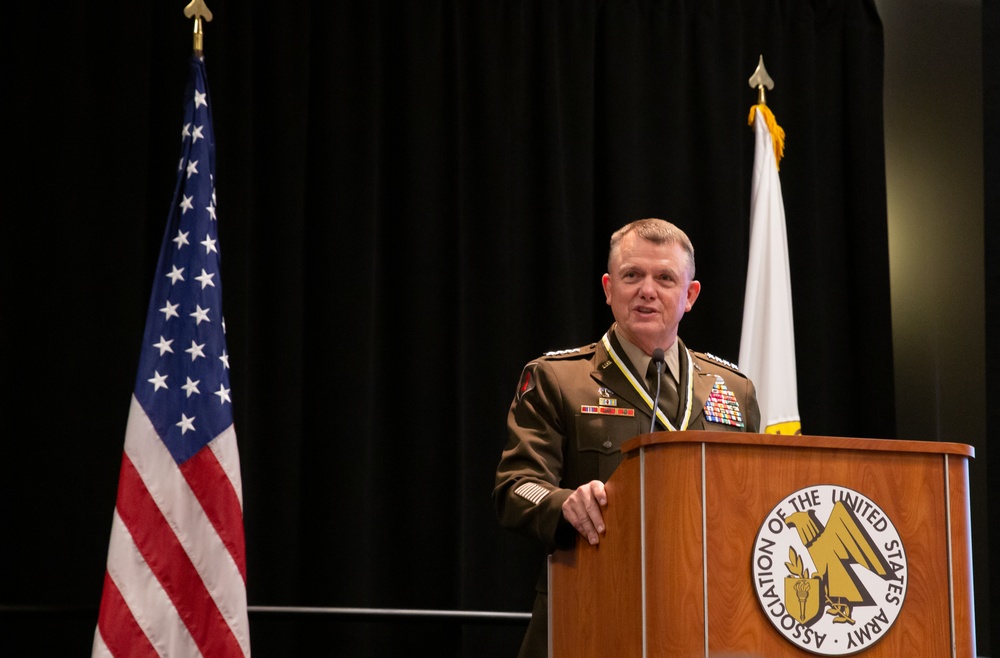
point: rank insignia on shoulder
(719, 359)
(562, 352)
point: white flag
(767, 343)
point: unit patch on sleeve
(527, 381)
(722, 406)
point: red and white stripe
(176, 574)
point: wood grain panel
(674, 577)
(746, 482)
(961, 540)
(596, 595)
(596, 590)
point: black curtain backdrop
(415, 199)
(991, 238)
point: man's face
(649, 289)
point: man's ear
(694, 288)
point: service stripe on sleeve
(532, 492)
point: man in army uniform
(574, 408)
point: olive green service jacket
(573, 410)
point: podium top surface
(797, 441)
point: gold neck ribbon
(641, 388)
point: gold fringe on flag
(777, 133)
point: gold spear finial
(197, 9)
(759, 80)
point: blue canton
(183, 376)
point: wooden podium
(693, 522)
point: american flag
(176, 573)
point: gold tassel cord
(777, 133)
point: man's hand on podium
(583, 510)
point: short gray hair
(655, 230)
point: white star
(200, 314)
(224, 330)
(205, 278)
(170, 310)
(211, 212)
(192, 168)
(209, 244)
(186, 423)
(195, 350)
(175, 275)
(181, 239)
(196, 134)
(164, 345)
(191, 387)
(223, 394)
(225, 360)
(158, 381)
(186, 204)
(185, 132)
(199, 98)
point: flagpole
(197, 9)
(759, 80)
(767, 343)
(175, 579)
